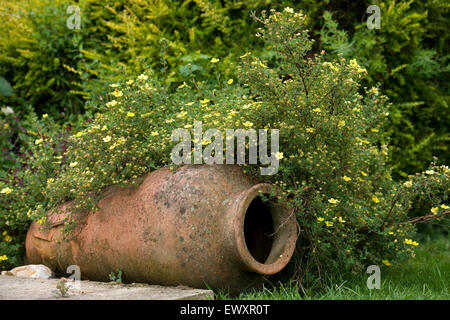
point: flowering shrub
(23, 177)
(334, 171)
(333, 168)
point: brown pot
(200, 226)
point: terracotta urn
(200, 226)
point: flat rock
(36, 271)
(17, 288)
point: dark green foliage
(55, 69)
(408, 59)
(36, 47)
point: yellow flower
(408, 184)
(130, 114)
(182, 114)
(117, 93)
(287, 9)
(214, 60)
(279, 155)
(107, 139)
(6, 236)
(386, 262)
(6, 190)
(262, 65)
(333, 201)
(204, 101)
(42, 220)
(154, 133)
(232, 113)
(230, 81)
(443, 206)
(38, 141)
(143, 77)
(411, 242)
(114, 85)
(341, 220)
(347, 178)
(329, 224)
(310, 130)
(317, 110)
(435, 210)
(45, 116)
(5, 126)
(320, 219)
(3, 258)
(364, 174)
(73, 164)
(112, 103)
(248, 124)
(341, 123)
(390, 232)
(182, 86)
(375, 199)
(374, 130)
(129, 82)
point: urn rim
(284, 237)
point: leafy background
(55, 70)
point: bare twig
(421, 219)
(425, 218)
(394, 201)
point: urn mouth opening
(266, 231)
(259, 229)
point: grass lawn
(427, 276)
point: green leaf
(5, 88)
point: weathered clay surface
(177, 228)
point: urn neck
(264, 233)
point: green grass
(427, 276)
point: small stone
(35, 271)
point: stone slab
(17, 288)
